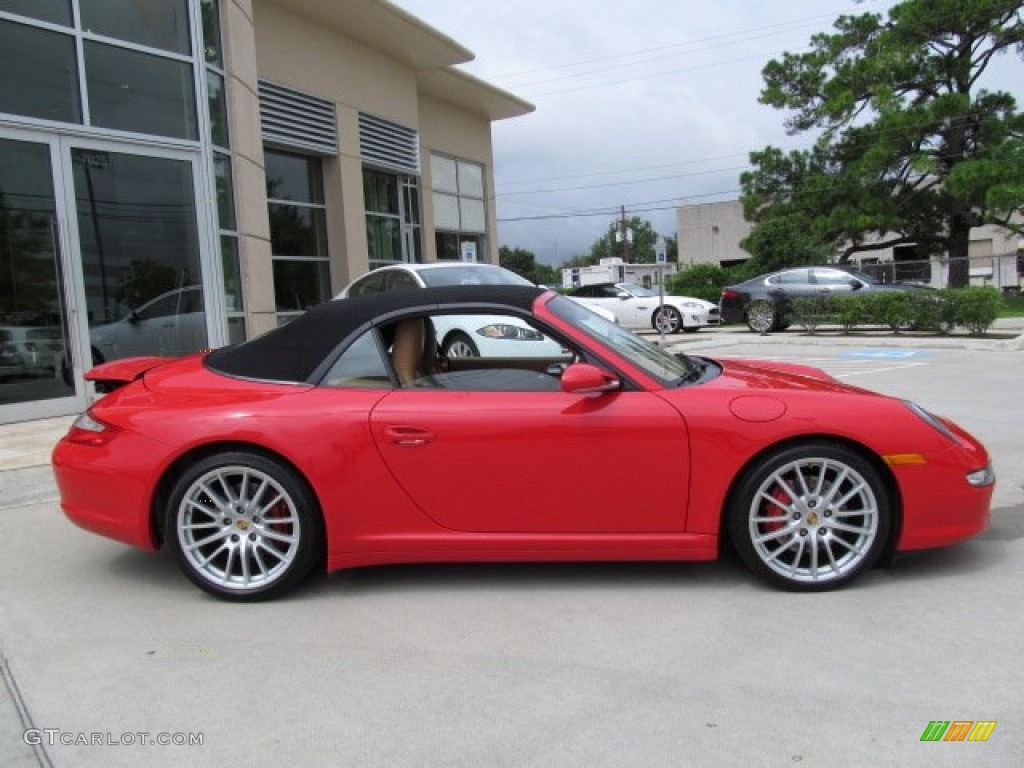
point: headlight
(982, 477)
(931, 419)
(510, 332)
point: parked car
(11, 364)
(459, 336)
(637, 307)
(40, 348)
(764, 302)
(341, 440)
(171, 324)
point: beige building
(711, 234)
(180, 174)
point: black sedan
(764, 302)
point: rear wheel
(761, 316)
(243, 526)
(810, 517)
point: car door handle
(408, 436)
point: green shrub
(810, 313)
(930, 310)
(891, 308)
(702, 281)
(847, 309)
(974, 308)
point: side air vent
(291, 119)
(388, 145)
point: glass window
(360, 366)
(294, 177)
(225, 190)
(380, 191)
(831, 277)
(232, 274)
(383, 240)
(446, 211)
(40, 74)
(236, 330)
(796, 277)
(447, 244)
(300, 283)
(210, 10)
(471, 179)
(160, 24)
(55, 11)
(139, 92)
(218, 109)
(372, 283)
(443, 174)
(471, 214)
(297, 231)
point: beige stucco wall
(711, 233)
(276, 44)
(247, 166)
(450, 130)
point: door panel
(34, 328)
(538, 462)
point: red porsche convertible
(344, 439)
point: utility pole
(624, 235)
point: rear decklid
(115, 374)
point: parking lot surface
(664, 664)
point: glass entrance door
(35, 330)
(101, 257)
(136, 228)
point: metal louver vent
(389, 145)
(292, 119)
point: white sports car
(462, 335)
(637, 307)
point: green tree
(912, 149)
(639, 251)
(524, 263)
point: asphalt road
(534, 665)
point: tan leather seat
(407, 350)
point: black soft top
(293, 352)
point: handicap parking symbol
(885, 354)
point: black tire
(810, 517)
(458, 344)
(667, 319)
(761, 316)
(243, 526)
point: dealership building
(182, 174)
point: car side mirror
(133, 317)
(856, 284)
(586, 379)
(622, 295)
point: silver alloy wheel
(238, 528)
(667, 320)
(814, 520)
(460, 347)
(761, 316)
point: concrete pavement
(26, 482)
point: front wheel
(810, 517)
(667, 320)
(243, 526)
(459, 345)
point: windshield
(471, 274)
(637, 290)
(669, 369)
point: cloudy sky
(647, 104)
